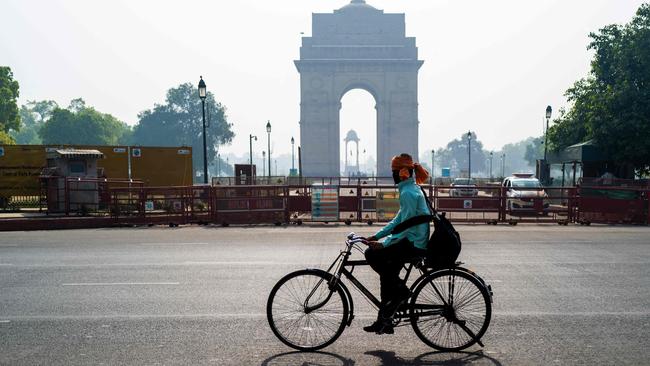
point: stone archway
(357, 47)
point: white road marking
(166, 244)
(6, 264)
(122, 284)
(162, 264)
(5, 321)
(237, 263)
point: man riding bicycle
(387, 257)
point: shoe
(379, 327)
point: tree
(5, 139)
(612, 105)
(33, 115)
(455, 155)
(9, 117)
(534, 150)
(179, 122)
(83, 125)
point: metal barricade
(611, 205)
(250, 205)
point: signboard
(387, 205)
(136, 152)
(325, 203)
(2, 151)
(184, 152)
(467, 204)
(119, 150)
(446, 172)
(148, 206)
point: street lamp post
(218, 165)
(549, 111)
(268, 131)
(263, 163)
(469, 154)
(293, 167)
(250, 141)
(203, 95)
(433, 167)
(503, 165)
(491, 155)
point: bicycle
(449, 309)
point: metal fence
(342, 200)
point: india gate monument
(357, 47)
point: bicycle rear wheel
(304, 313)
(450, 310)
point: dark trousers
(388, 262)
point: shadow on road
(385, 358)
(389, 358)
(307, 359)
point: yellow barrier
(20, 166)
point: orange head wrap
(403, 163)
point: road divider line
(171, 244)
(122, 284)
(5, 321)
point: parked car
(522, 191)
(463, 187)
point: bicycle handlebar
(353, 238)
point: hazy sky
(490, 66)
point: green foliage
(520, 156)
(612, 105)
(179, 122)
(6, 139)
(33, 115)
(83, 125)
(455, 155)
(534, 150)
(9, 117)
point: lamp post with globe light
(268, 131)
(203, 94)
(469, 154)
(293, 166)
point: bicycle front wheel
(304, 313)
(450, 310)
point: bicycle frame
(342, 263)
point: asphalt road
(161, 296)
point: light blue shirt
(411, 203)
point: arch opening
(358, 126)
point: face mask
(396, 177)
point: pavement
(196, 295)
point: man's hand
(375, 245)
(371, 238)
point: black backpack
(444, 244)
